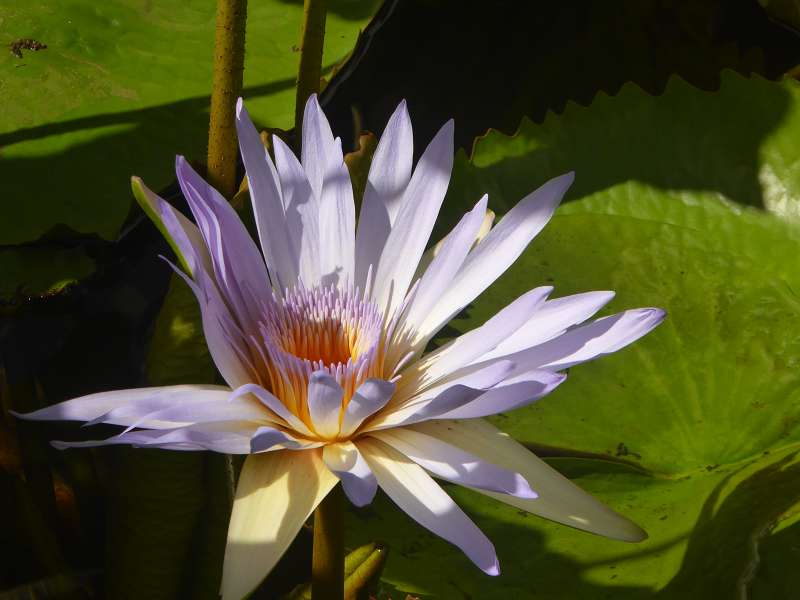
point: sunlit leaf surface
(686, 201)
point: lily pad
(121, 88)
(40, 271)
(686, 201)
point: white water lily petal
(227, 437)
(325, 397)
(453, 464)
(444, 266)
(337, 211)
(387, 180)
(319, 150)
(591, 341)
(464, 349)
(412, 227)
(239, 409)
(275, 405)
(301, 211)
(511, 394)
(430, 253)
(276, 493)
(265, 196)
(368, 399)
(552, 319)
(223, 338)
(123, 407)
(345, 461)
(421, 498)
(268, 439)
(183, 236)
(498, 250)
(239, 269)
(559, 499)
(458, 389)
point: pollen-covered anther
(317, 329)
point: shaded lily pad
(40, 271)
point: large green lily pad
(122, 87)
(686, 201)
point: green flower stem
(327, 565)
(226, 88)
(311, 43)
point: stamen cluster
(321, 328)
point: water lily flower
(320, 336)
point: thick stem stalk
(311, 43)
(327, 565)
(226, 88)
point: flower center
(321, 328)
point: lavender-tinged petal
(461, 388)
(131, 404)
(466, 348)
(268, 204)
(513, 393)
(412, 227)
(275, 405)
(370, 397)
(324, 403)
(219, 330)
(388, 178)
(432, 251)
(551, 320)
(498, 251)
(337, 219)
(216, 410)
(345, 461)
(319, 150)
(229, 437)
(453, 464)
(268, 439)
(445, 265)
(591, 341)
(183, 235)
(421, 498)
(559, 499)
(302, 213)
(239, 268)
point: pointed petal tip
(401, 112)
(180, 162)
(494, 569)
(632, 534)
(312, 104)
(523, 488)
(607, 294)
(239, 106)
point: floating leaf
(694, 431)
(122, 87)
